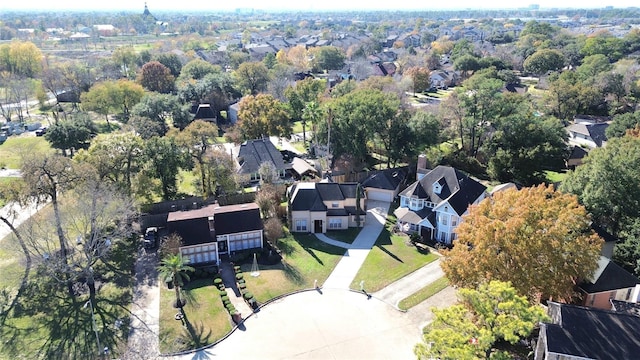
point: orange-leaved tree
(536, 238)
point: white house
(433, 205)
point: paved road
(346, 270)
(145, 323)
(17, 214)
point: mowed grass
(390, 259)
(305, 260)
(423, 294)
(17, 146)
(204, 310)
(346, 236)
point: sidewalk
(346, 270)
(16, 214)
(228, 275)
(408, 285)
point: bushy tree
(536, 238)
(252, 77)
(263, 115)
(156, 77)
(468, 330)
(544, 60)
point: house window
(301, 225)
(335, 205)
(335, 223)
(246, 241)
(200, 253)
(454, 221)
(443, 219)
(628, 293)
(429, 204)
(415, 203)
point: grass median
(423, 294)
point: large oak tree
(538, 239)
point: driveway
(347, 268)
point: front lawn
(305, 259)
(390, 259)
(346, 236)
(204, 311)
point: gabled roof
(458, 189)
(595, 131)
(253, 153)
(204, 112)
(310, 196)
(591, 333)
(388, 179)
(301, 167)
(233, 219)
(609, 276)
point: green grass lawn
(346, 236)
(297, 127)
(424, 293)
(15, 146)
(187, 182)
(204, 310)
(390, 259)
(305, 260)
(299, 145)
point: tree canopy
(538, 239)
(263, 115)
(493, 312)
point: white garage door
(380, 195)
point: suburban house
(578, 153)
(214, 231)
(302, 169)
(253, 153)
(384, 185)
(588, 131)
(321, 206)
(432, 206)
(581, 333)
(609, 282)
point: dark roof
(577, 152)
(237, 218)
(193, 225)
(457, 188)
(253, 153)
(204, 112)
(625, 307)
(592, 333)
(311, 196)
(388, 179)
(612, 277)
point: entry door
(317, 226)
(222, 246)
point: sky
(275, 5)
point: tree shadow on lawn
(292, 273)
(192, 337)
(389, 253)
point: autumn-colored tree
(109, 97)
(21, 58)
(538, 239)
(298, 57)
(156, 77)
(420, 78)
(263, 115)
(494, 312)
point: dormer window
(437, 188)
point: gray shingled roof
(388, 179)
(457, 188)
(592, 333)
(611, 277)
(253, 153)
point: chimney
(422, 166)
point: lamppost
(93, 324)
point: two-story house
(318, 207)
(253, 153)
(433, 205)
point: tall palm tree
(174, 268)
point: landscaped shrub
(225, 297)
(230, 307)
(242, 286)
(241, 281)
(226, 302)
(239, 276)
(217, 281)
(248, 295)
(223, 293)
(237, 269)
